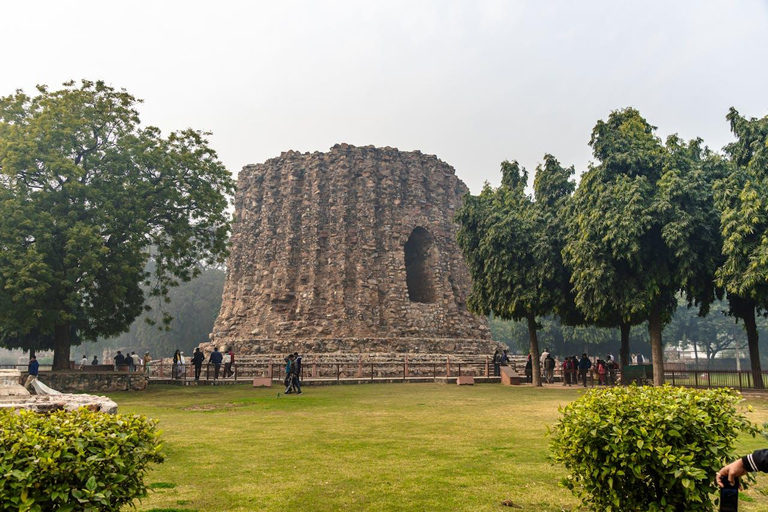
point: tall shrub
(647, 449)
(78, 460)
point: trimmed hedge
(79, 460)
(647, 448)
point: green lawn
(364, 447)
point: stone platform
(45, 399)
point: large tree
(85, 195)
(642, 228)
(513, 243)
(741, 198)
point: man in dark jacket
(584, 365)
(755, 461)
(32, 371)
(197, 361)
(215, 360)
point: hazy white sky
(473, 82)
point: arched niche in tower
(420, 266)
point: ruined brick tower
(350, 251)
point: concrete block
(465, 380)
(262, 382)
(510, 377)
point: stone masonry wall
(83, 382)
(348, 251)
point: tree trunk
(624, 327)
(535, 365)
(61, 347)
(754, 350)
(696, 354)
(657, 349)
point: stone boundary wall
(89, 382)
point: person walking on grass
(584, 365)
(32, 370)
(297, 361)
(567, 367)
(295, 371)
(549, 368)
(543, 358)
(215, 360)
(529, 370)
(197, 361)
(289, 366)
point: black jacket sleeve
(756, 461)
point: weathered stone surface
(50, 403)
(14, 396)
(10, 383)
(350, 251)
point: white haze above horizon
(473, 82)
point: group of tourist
(198, 358)
(133, 361)
(574, 369)
(293, 374)
(499, 359)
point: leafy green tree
(84, 194)
(513, 246)
(642, 229)
(744, 222)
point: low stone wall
(91, 382)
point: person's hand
(732, 471)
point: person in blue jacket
(215, 360)
(32, 371)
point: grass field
(364, 447)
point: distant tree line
(651, 222)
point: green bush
(78, 460)
(647, 449)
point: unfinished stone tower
(350, 251)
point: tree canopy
(513, 243)
(741, 197)
(85, 195)
(644, 228)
